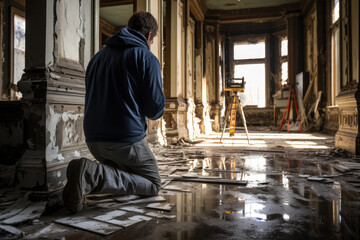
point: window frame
(335, 82)
(251, 39)
(2, 94)
(13, 11)
(283, 59)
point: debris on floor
(207, 192)
(113, 217)
(20, 211)
(31, 212)
(145, 200)
(211, 180)
(161, 206)
(133, 209)
(51, 229)
(122, 217)
(12, 230)
(91, 225)
(17, 206)
(159, 215)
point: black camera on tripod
(235, 84)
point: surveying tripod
(233, 107)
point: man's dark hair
(144, 22)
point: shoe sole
(73, 195)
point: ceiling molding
(107, 27)
(111, 3)
(306, 5)
(21, 2)
(198, 9)
(251, 15)
(253, 27)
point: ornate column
(202, 109)
(59, 44)
(174, 72)
(293, 22)
(156, 129)
(192, 122)
(212, 73)
(348, 101)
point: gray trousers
(125, 168)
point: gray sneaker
(74, 195)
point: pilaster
(212, 73)
(175, 77)
(293, 22)
(348, 136)
(348, 101)
(201, 110)
(156, 129)
(53, 90)
(175, 117)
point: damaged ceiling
(245, 4)
(117, 15)
(118, 12)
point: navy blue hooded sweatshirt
(123, 88)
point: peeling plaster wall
(209, 70)
(192, 121)
(210, 74)
(71, 29)
(311, 54)
(86, 15)
(202, 108)
(181, 117)
(60, 40)
(355, 40)
(64, 125)
(331, 124)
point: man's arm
(153, 99)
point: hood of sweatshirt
(127, 37)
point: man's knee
(156, 189)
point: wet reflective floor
(294, 190)
(280, 201)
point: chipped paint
(77, 154)
(192, 124)
(80, 30)
(52, 122)
(60, 157)
(70, 29)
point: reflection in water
(316, 209)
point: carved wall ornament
(209, 29)
(181, 8)
(71, 133)
(348, 120)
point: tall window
(249, 62)
(2, 95)
(335, 51)
(17, 50)
(284, 61)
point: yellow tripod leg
(233, 117)
(241, 111)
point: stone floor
(281, 186)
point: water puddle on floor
(279, 200)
